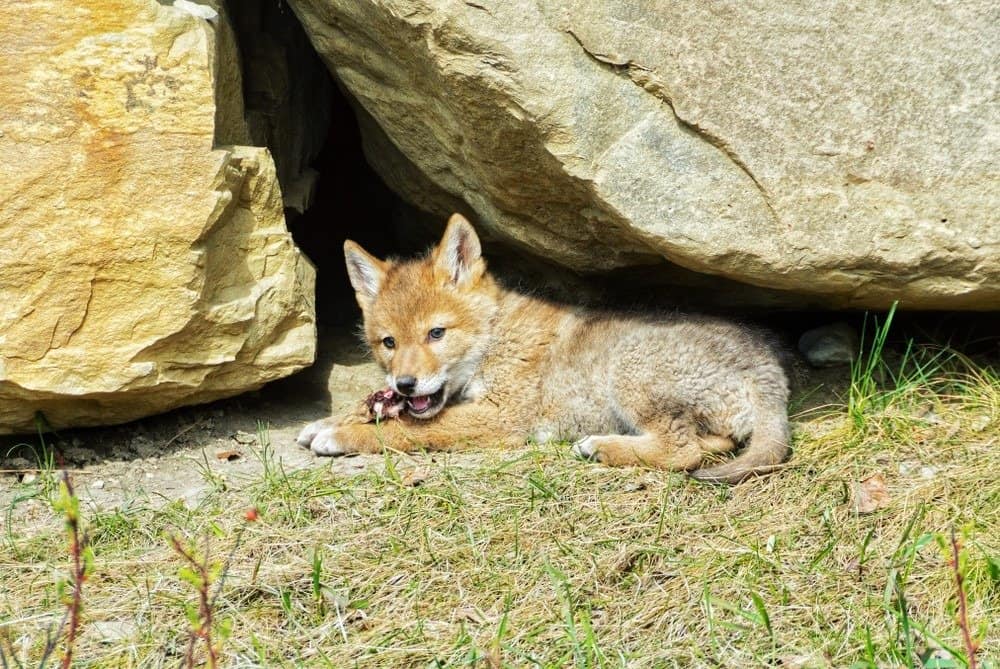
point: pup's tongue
(419, 403)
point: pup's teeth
(420, 403)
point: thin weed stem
(202, 582)
(69, 505)
(963, 608)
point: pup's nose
(406, 384)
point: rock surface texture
(847, 152)
(141, 266)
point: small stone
(29, 477)
(830, 345)
(245, 438)
(98, 484)
(980, 423)
(194, 9)
(112, 631)
(939, 657)
(415, 477)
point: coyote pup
(479, 363)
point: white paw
(585, 448)
(318, 436)
(309, 432)
(324, 443)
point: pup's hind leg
(713, 443)
(667, 443)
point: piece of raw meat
(385, 403)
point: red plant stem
(206, 600)
(963, 613)
(205, 605)
(79, 574)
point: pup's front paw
(585, 448)
(320, 438)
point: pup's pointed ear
(365, 271)
(458, 258)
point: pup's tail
(767, 448)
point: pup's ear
(458, 258)
(365, 271)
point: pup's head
(428, 320)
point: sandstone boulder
(142, 267)
(845, 153)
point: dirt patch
(182, 454)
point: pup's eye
(435, 333)
(388, 342)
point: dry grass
(529, 558)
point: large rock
(141, 266)
(848, 153)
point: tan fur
(657, 391)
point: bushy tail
(766, 450)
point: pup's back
(621, 374)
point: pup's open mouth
(422, 404)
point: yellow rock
(141, 266)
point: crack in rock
(644, 78)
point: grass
(529, 558)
